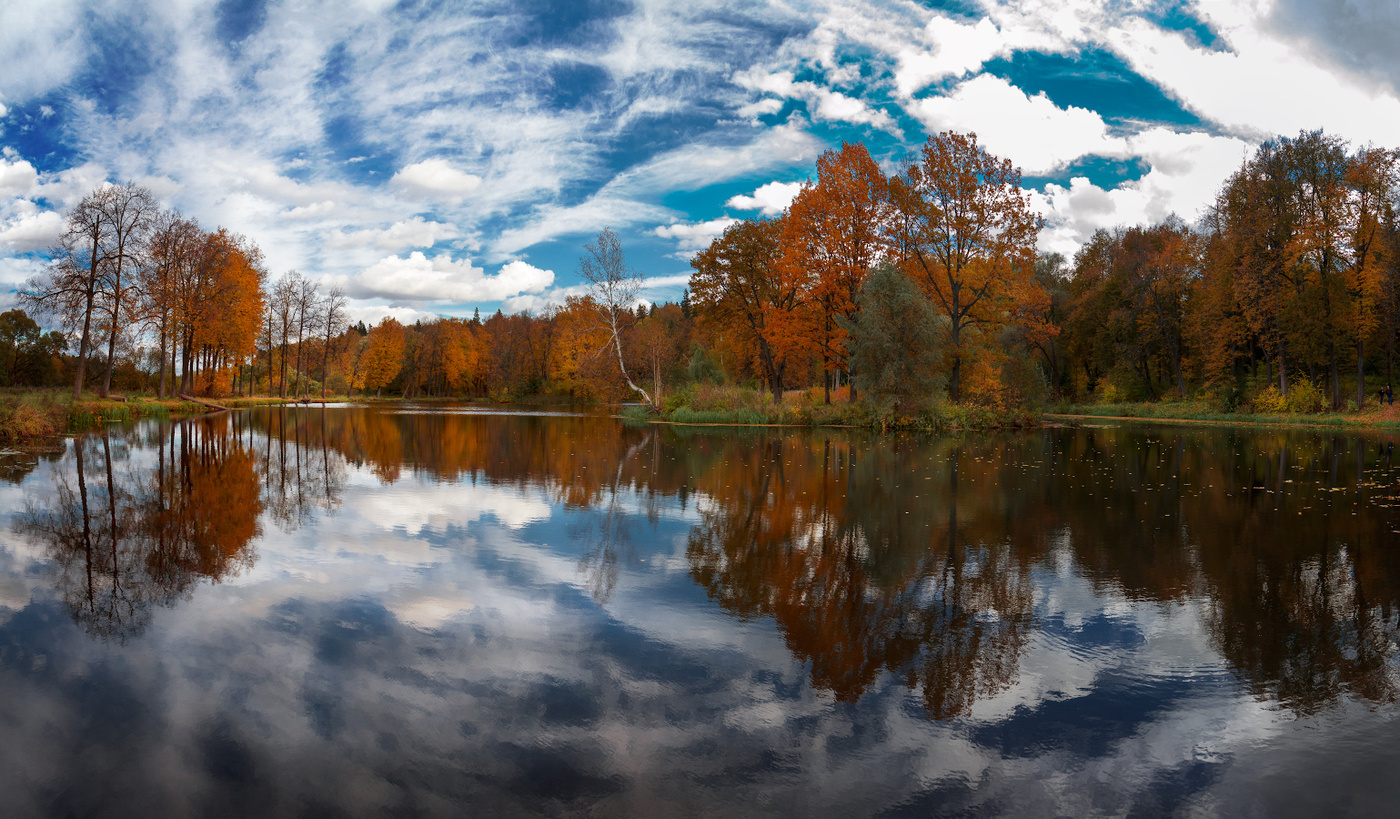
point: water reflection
(917, 559)
(126, 537)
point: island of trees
(890, 291)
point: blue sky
(437, 157)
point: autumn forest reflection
(909, 558)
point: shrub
(703, 369)
(894, 342)
(1270, 402)
(1304, 397)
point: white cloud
(823, 103)
(957, 48)
(769, 199)
(586, 218)
(17, 176)
(15, 272)
(372, 314)
(1185, 172)
(695, 236)
(415, 232)
(1032, 132)
(31, 229)
(435, 177)
(1264, 85)
(418, 279)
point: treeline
(906, 289)
(1286, 294)
(126, 273)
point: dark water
(419, 612)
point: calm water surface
(428, 612)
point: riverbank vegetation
(913, 299)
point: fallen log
(209, 404)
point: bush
(702, 368)
(1303, 397)
(894, 342)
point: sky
(435, 158)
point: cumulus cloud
(30, 229)
(769, 199)
(1032, 132)
(16, 271)
(951, 48)
(1185, 172)
(435, 177)
(417, 279)
(692, 237)
(17, 176)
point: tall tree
(737, 290)
(836, 231)
(68, 288)
(169, 251)
(333, 323)
(383, 357)
(130, 214)
(967, 234)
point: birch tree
(614, 286)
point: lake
(442, 611)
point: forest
(920, 287)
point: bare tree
(333, 323)
(283, 309)
(68, 288)
(613, 287)
(130, 211)
(307, 317)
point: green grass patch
(1205, 412)
(738, 406)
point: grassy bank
(1372, 416)
(30, 416)
(737, 406)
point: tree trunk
(162, 359)
(1336, 375)
(1360, 375)
(955, 380)
(112, 337)
(87, 322)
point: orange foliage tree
(836, 231)
(736, 286)
(965, 231)
(383, 357)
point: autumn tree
(836, 231)
(169, 252)
(1373, 180)
(966, 232)
(736, 287)
(383, 357)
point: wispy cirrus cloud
(336, 133)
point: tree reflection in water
(130, 534)
(867, 571)
(916, 557)
(126, 538)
